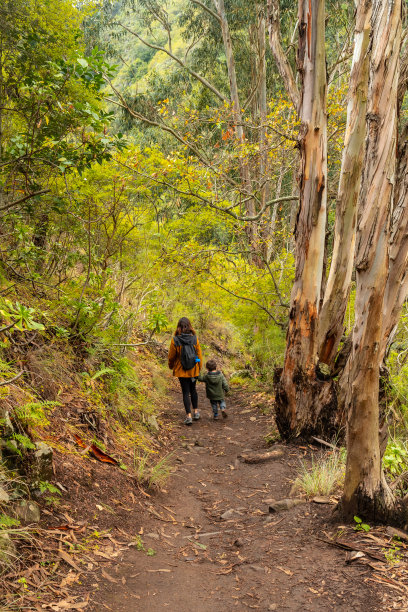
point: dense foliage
(125, 200)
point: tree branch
(226, 210)
(193, 149)
(207, 8)
(162, 126)
(23, 199)
(281, 302)
(7, 327)
(247, 299)
(179, 61)
(7, 382)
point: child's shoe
(196, 416)
(215, 416)
(224, 413)
(188, 421)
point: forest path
(251, 560)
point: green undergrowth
(69, 380)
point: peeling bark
(396, 290)
(298, 390)
(331, 320)
(284, 67)
(365, 491)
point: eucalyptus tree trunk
(331, 319)
(263, 165)
(302, 400)
(365, 491)
(283, 65)
(396, 289)
(236, 111)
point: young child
(215, 385)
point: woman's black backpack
(188, 355)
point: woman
(185, 360)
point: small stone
(27, 511)
(8, 429)
(273, 607)
(4, 496)
(321, 500)
(43, 461)
(285, 504)
(152, 422)
(155, 536)
(10, 454)
(228, 514)
(256, 568)
(198, 443)
(238, 543)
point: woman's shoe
(196, 416)
(188, 421)
(224, 414)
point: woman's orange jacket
(175, 363)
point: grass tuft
(160, 472)
(324, 476)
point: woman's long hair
(184, 327)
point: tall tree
(331, 319)
(298, 389)
(365, 491)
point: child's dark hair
(211, 365)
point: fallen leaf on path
(109, 577)
(159, 570)
(69, 579)
(98, 553)
(286, 571)
(67, 604)
(65, 527)
(96, 452)
(314, 591)
(68, 559)
(388, 583)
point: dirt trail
(251, 560)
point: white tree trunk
(331, 320)
(365, 492)
(284, 67)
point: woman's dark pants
(188, 387)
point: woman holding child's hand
(185, 360)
